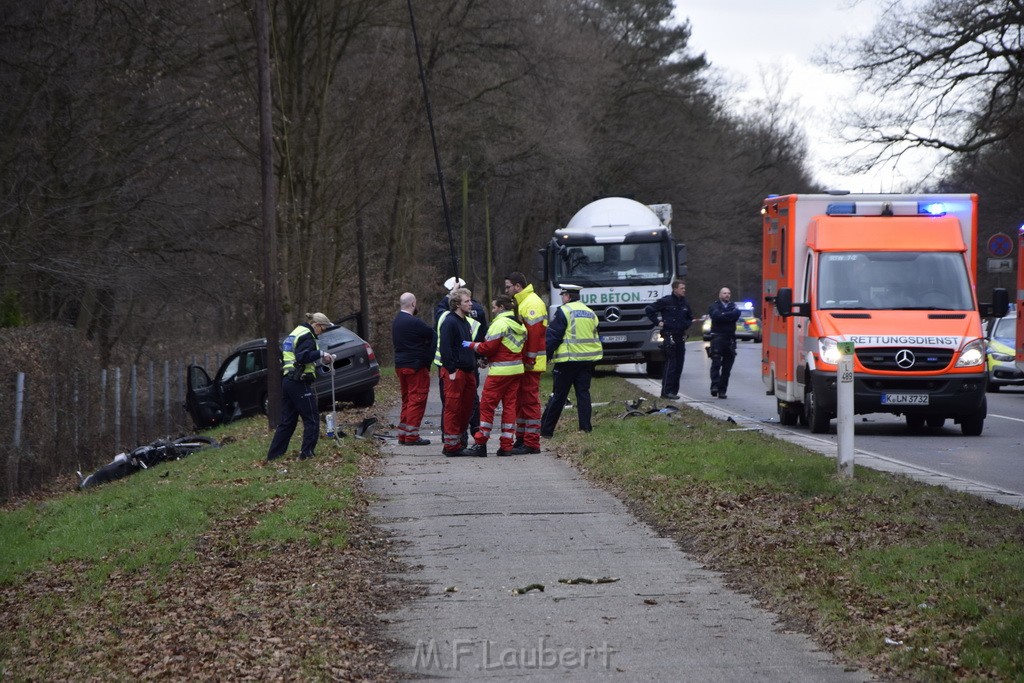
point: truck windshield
(931, 281)
(644, 263)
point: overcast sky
(742, 38)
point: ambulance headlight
(828, 351)
(973, 354)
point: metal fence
(75, 419)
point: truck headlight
(972, 354)
(828, 350)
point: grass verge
(909, 580)
(220, 566)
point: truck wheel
(788, 416)
(655, 369)
(818, 419)
(972, 425)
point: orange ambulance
(894, 274)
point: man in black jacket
(458, 364)
(672, 314)
(723, 314)
(414, 345)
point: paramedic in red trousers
(503, 349)
(414, 345)
(300, 352)
(458, 363)
(573, 346)
(534, 315)
(723, 314)
(672, 314)
(478, 321)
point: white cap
(570, 288)
(454, 283)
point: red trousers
(415, 385)
(459, 396)
(528, 409)
(503, 389)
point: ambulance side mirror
(999, 307)
(785, 307)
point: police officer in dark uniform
(300, 353)
(723, 314)
(672, 314)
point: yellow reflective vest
(509, 360)
(288, 352)
(474, 327)
(581, 341)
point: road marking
(1006, 417)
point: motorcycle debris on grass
(144, 457)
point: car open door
(202, 400)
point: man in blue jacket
(672, 314)
(723, 314)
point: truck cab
(624, 256)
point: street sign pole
(844, 410)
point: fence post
(167, 398)
(103, 401)
(117, 409)
(133, 392)
(12, 459)
(151, 417)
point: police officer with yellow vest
(573, 346)
(300, 353)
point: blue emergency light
(932, 208)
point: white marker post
(844, 410)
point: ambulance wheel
(817, 417)
(935, 421)
(788, 416)
(915, 423)
(972, 425)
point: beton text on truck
(625, 257)
(895, 275)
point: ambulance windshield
(931, 281)
(644, 263)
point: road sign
(1000, 245)
(1000, 265)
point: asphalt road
(995, 459)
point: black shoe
(306, 456)
(722, 396)
(452, 454)
(674, 397)
(418, 442)
(504, 451)
(714, 392)
(476, 451)
(546, 436)
(524, 450)
(518, 443)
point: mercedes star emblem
(612, 314)
(905, 359)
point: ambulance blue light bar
(877, 208)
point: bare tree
(944, 75)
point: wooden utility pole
(271, 297)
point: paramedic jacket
(455, 330)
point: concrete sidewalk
(478, 529)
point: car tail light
(369, 354)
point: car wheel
(364, 399)
(817, 417)
(655, 369)
(972, 425)
(788, 416)
(265, 404)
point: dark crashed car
(239, 388)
